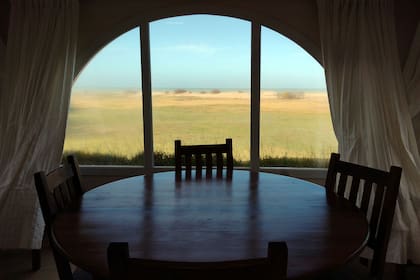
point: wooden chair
(184, 154)
(376, 199)
(56, 191)
(122, 267)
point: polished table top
(212, 220)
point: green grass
(163, 159)
(106, 128)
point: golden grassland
(293, 124)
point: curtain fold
(369, 107)
(38, 74)
(2, 61)
(412, 79)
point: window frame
(149, 166)
(255, 115)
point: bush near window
(164, 159)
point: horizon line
(194, 89)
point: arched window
(200, 91)
(105, 123)
(201, 82)
(296, 127)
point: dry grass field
(293, 124)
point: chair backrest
(56, 190)
(122, 267)
(189, 154)
(376, 198)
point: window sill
(127, 171)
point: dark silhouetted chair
(122, 267)
(56, 191)
(375, 192)
(188, 154)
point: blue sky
(202, 51)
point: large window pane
(200, 78)
(105, 123)
(296, 128)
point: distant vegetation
(291, 95)
(163, 159)
(294, 162)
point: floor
(16, 265)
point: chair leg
(401, 271)
(36, 259)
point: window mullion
(147, 98)
(255, 95)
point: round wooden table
(212, 220)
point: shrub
(180, 90)
(290, 95)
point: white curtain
(38, 74)
(412, 78)
(368, 103)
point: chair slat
(58, 198)
(188, 166)
(219, 164)
(229, 159)
(178, 160)
(198, 165)
(331, 179)
(65, 195)
(354, 189)
(71, 191)
(367, 190)
(77, 182)
(342, 185)
(209, 165)
(53, 208)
